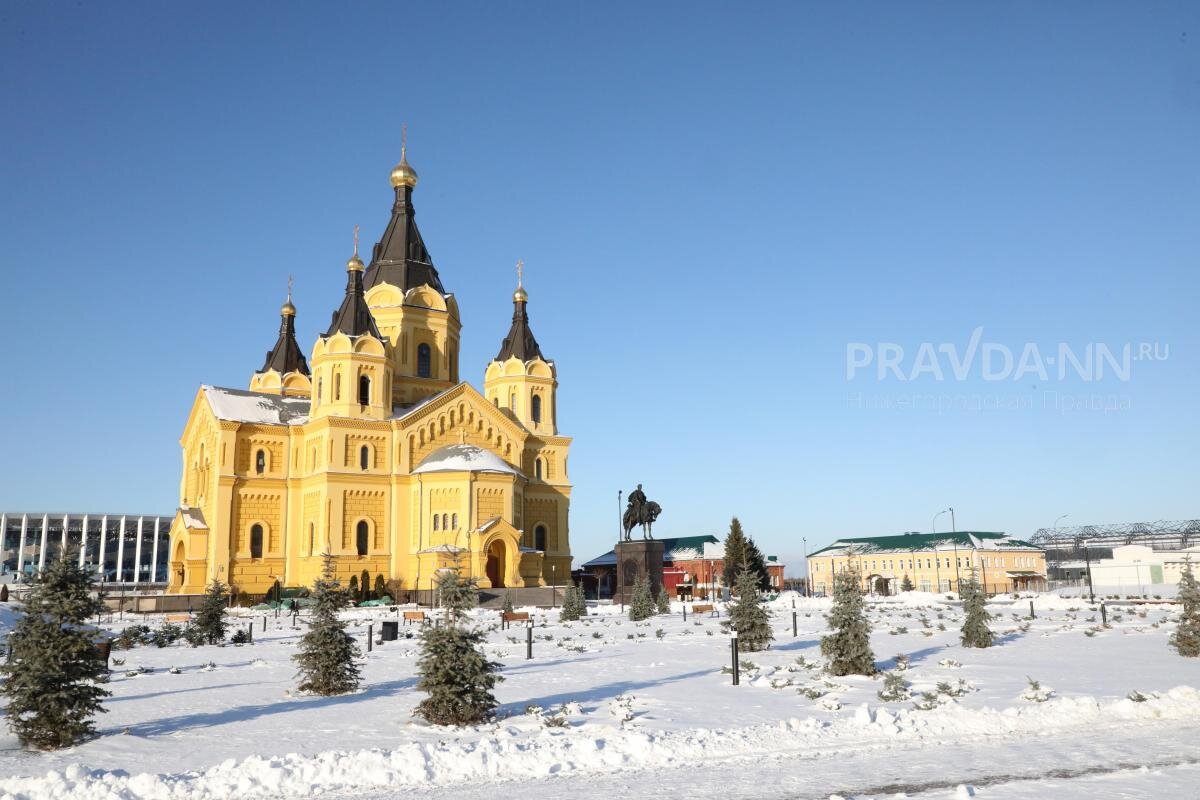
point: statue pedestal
(635, 559)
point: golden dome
(519, 296)
(355, 263)
(403, 174)
(288, 310)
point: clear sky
(716, 203)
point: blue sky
(713, 201)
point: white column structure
(66, 521)
(42, 549)
(103, 541)
(154, 552)
(21, 546)
(121, 551)
(137, 555)
(3, 530)
(83, 541)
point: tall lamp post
(937, 565)
(1087, 555)
(807, 574)
(1054, 533)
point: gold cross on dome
(291, 281)
(403, 139)
(520, 272)
(355, 240)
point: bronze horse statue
(644, 516)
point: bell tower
(520, 379)
(352, 370)
(408, 301)
(285, 371)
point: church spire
(353, 318)
(400, 258)
(520, 342)
(286, 356)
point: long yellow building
(378, 453)
(932, 562)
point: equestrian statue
(639, 511)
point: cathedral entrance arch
(178, 570)
(495, 564)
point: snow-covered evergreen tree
(748, 616)
(848, 647)
(327, 652)
(662, 603)
(381, 588)
(508, 602)
(454, 673)
(573, 606)
(1186, 638)
(734, 560)
(210, 619)
(975, 631)
(641, 604)
(756, 564)
(51, 680)
(906, 585)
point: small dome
(403, 174)
(519, 296)
(287, 310)
(355, 263)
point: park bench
(509, 617)
(177, 618)
(415, 616)
(707, 608)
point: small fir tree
(906, 585)
(381, 587)
(756, 564)
(364, 586)
(735, 552)
(51, 679)
(4, 593)
(848, 647)
(210, 619)
(641, 604)
(1186, 638)
(327, 652)
(662, 603)
(508, 603)
(573, 606)
(975, 631)
(748, 616)
(454, 673)
(352, 591)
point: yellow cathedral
(374, 450)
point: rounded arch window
(256, 540)
(535, 408)
(539, 537)
(424, 361)
(454, 521)
(362, 534)
(260, 462)
(312, 538)
(537, 468)
(445, 522)
(436, 522)
(337, 385)
(364, 390)
(364, 456)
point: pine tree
(848, 647)
(662, 603)
(748, 616)
(508, 603)
(454, 672)
(641, 605)
(364, 587)
(327, 652)
(51, 680)
(735, 552)
(210, 619)
(352, 590)
(574, 606)
(1186, 638)
(757, 565)
(906, 585)
(975, 631)
(4, 593)
(381, 588)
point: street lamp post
(1087, 555)
(937, 565)
(807, 574)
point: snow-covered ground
(629, 708)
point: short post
(1103, 614)
(1031, 614)
(794, 634)
(295, 617)
(370, 637)
(733, 649)
(528, 639)
(250, 632)
(684, 611)
(264, 623)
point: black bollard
(370, 637)
(1103, 614)
(684, 611)
(264, 623)
(737, 676)
(250, 632)
(529, 640)
(794, 634)
(1031, 614)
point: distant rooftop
(908, 542)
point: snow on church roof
(464, 458)
(236, 405)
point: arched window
(260, 462)
(337, 386)
(312, 538)
(364, 456)
(535, 408)
(320, 387)
(436, 521)
(424, 361)
(256, 539)
(364, 390)
(512, 401)
(539, 537)
(537, 468)
(454, 521)
(445, 522)
(362, 533)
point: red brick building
(691, 564)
